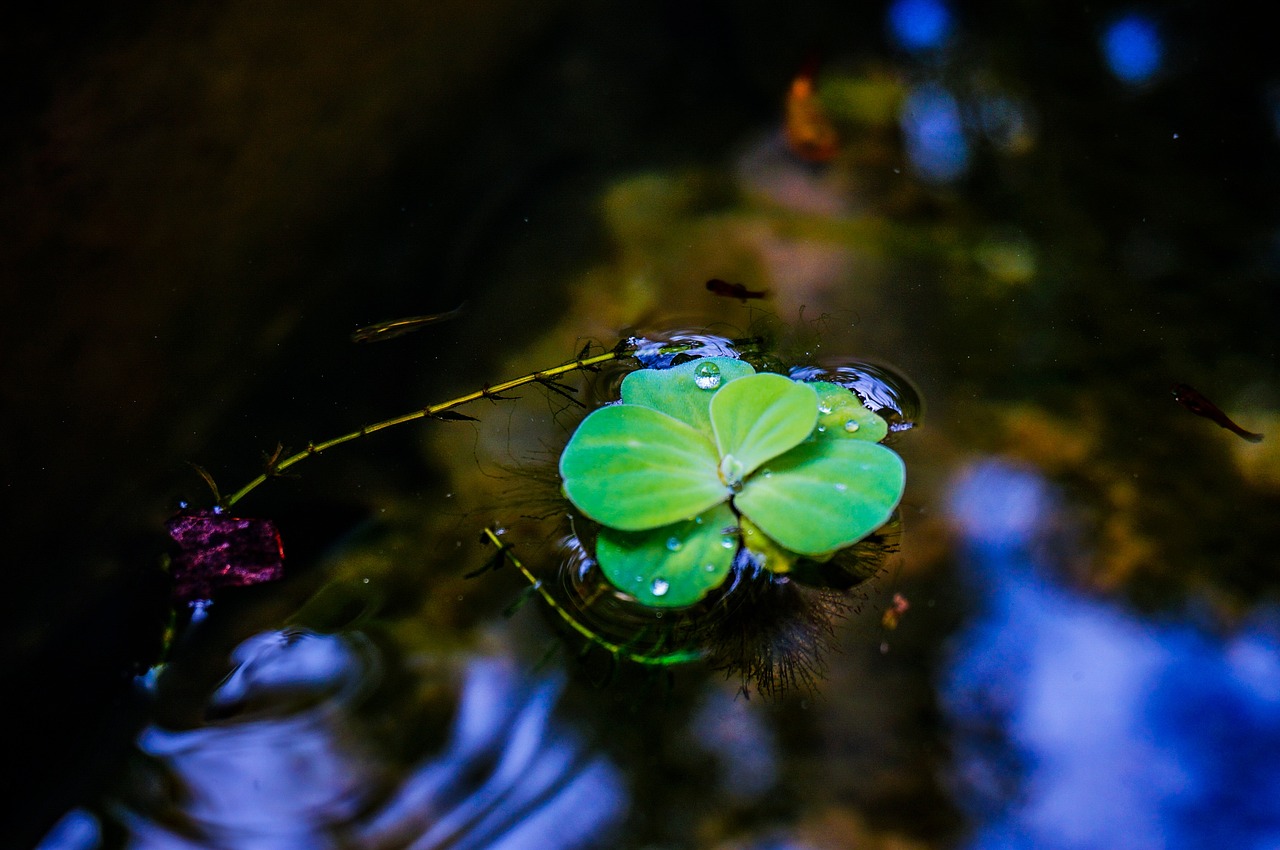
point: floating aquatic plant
(733, 509)
(708, 457)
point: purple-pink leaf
(216, 551)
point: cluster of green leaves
(709, 456)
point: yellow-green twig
(616, 650)
(276, 468)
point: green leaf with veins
(684, 391)
(824, 495)
(633, 468)
(841, 414)
(758, 418)
(673, 565)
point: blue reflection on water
(934, 133)
(77, 830)
(287, 769)
(1132, 48)
(919, 24)
(1080, 725)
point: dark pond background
(1044, 214)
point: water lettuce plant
(705, 476)
(704, 459)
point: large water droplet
(706, 376)
(674, 544)
(851, 426)
(728, 542)
(659, 587)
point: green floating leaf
(674, 565)
(758, 418)
(845, 416)
(633, 468)
(684, 391)
(824, 495)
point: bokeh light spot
(934, 134)
(1132, 48)
(919, 24)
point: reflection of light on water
(919, 24)
(286, 769)
(1132, 48)
(934, 134)
(78, 830)
(734, 732)
(1114, 731)
(880, 388)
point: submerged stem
(667, 659)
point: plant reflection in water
(282, 768)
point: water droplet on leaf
(851, 426)
(706, 376)
(659, 587)
(674, 544)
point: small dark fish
(1201, 406)
(723, 288)
(400, 327)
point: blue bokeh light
(1133, 48)
(933, 130)
(919, 24)
(1079, 725)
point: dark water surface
(1045, 216)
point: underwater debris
(807, 128)
(215, 550)
(893, 614)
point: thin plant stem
(277, 468)
(682, 656)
